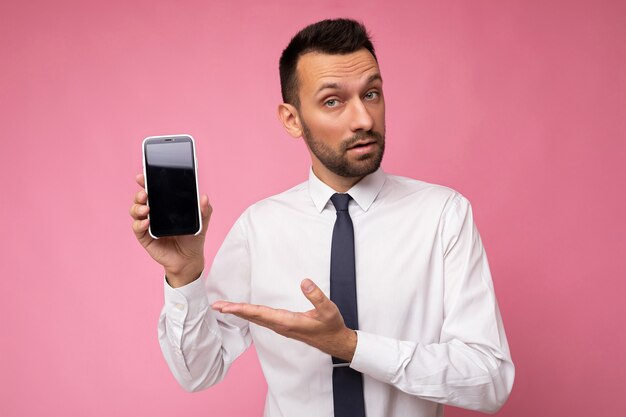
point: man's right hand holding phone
(181, 256)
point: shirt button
(180, 307)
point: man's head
(333, 37)
(332, 92)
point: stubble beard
(337, 161)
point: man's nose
(361, 119)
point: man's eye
(371, 95)
(330, 103)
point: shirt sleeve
(470, 366)
(198, 343)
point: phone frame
(195, 171)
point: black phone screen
(171, 186)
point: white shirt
(430, 329)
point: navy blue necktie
(347, 383)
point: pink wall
(520, 105)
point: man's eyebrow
(374, 77)
(331, 86)
(334, 86)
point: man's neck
(336, 182)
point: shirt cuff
(377, 356)
(186, 300)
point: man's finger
(248, 311)
(139, 211)
(140, 180)
(317, 297)
(140, 227)
(259, 314)
(218, 305)
(205, 207)
(227, 307)
(205, 210)
(141, 197)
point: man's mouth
(363, 147)
(363, 144)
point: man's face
(342, 112)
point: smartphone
(170, 170)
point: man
(411, 323)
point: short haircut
(331, 36)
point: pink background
(520, 105)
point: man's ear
(289, 117)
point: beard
(337, 161)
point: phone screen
(171, 186)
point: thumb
(316, 296)
(206, 210)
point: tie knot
(340, 201)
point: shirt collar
(363, 192)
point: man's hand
(322, 327)
(181, 256)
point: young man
(398, 314)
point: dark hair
(331, 36)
